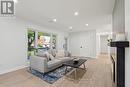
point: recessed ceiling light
(15, 1)
(86, 24)
(54, 20)
(76, 13)
(70, 27)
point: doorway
(103, 44)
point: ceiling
(95, 13)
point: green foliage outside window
(44, 41)
(31, 39)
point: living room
(77, 27)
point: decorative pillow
(47, 56)
(52, 52)
(67, 54)
(44, 54)
(60, 53)
(51, 57)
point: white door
(83, 46)
(88, 44)
(74, 45)
(103, 44)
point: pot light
(54, 20)
(86, 24)
(76, 13)
(70, 27)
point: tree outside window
(40, 40)
(31, 42)
(44, 40)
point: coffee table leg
(75, 72)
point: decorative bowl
(75, 60)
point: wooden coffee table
(75, 66)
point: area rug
(52, 76)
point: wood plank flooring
(98, 74)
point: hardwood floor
(98, 74)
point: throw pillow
(51, 57)
(47, 56)
(60, 54)
(52, 52)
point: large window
(44, 40)
(40, 40)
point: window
(44, 40)
(31, 42)
(40, 40)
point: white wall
(13, 45)
(118, 17)
(87, 40)
(127, 30)
(13, 42)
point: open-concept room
(64, 43)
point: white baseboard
(13, 69)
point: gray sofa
(41, 63)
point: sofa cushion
(54, 63)
(64, 59)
